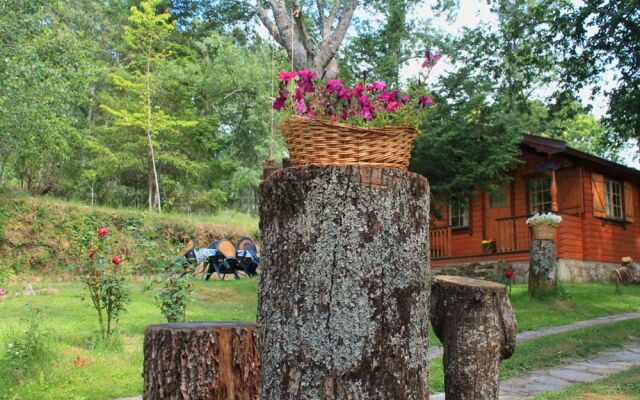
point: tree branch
(309, 47)
(320, 6)
(333, 41)
(286, 29)
(328, 23)
(268, 23)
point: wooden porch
(512, 235)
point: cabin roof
(547, 146)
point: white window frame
(540, 196)
(613, 199)
(459, 218)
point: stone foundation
(488, 270)
(568, 270)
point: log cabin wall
(607, 240)
(582, 236)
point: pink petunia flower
(287, 76)
(425, 101)
(391, 106)
(334, 84)
(430, 59)
(378, 85)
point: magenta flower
(300, 107)
(425, 101)
(344, 93)
(306, 75)
(367, 112)
(430, 59)
(334, 118)
(386, 97)
(391, 106)
(378, 85)
(358, 90)
(279, 103)
(299, 94)
(286, 76)
(405, 99)
(334, 85)
(363, 100)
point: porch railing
(512, 234)
(440, 242)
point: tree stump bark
(475, 323)
(344, 291)
(543, 268)
(212, 361)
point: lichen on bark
(344, 291)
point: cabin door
(497, 213)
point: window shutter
(597, 188)
(628, 202)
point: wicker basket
(312, 141)
(544, 232)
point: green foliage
(26, 349)
(174, 295)
(599, 43)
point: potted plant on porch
(333, 124)
(543, 226)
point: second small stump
(475, 323)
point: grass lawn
(78, 369)
(622, 386)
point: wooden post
(205, 361)
(475, 323)
(344, 291)
(554, 192)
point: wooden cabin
(597, 199)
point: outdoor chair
(248, 260)
(224, 260)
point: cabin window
(613, 199)
(540, 195)
(458, 213)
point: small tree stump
(543, 268)
(344, 291)
(212, 361)
(475, 323)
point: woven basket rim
(364, 129)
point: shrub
(23, 350)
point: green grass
(622, 386)
(554, 350)
(107, 374)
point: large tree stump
(344, 292)
(212, 361)
(475, 323)
(543, 268)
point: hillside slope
(43, 235)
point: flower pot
(544, 232)
(312, 141)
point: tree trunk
(542, 268)
(204, 361)
(475, 323)
(344, 292)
